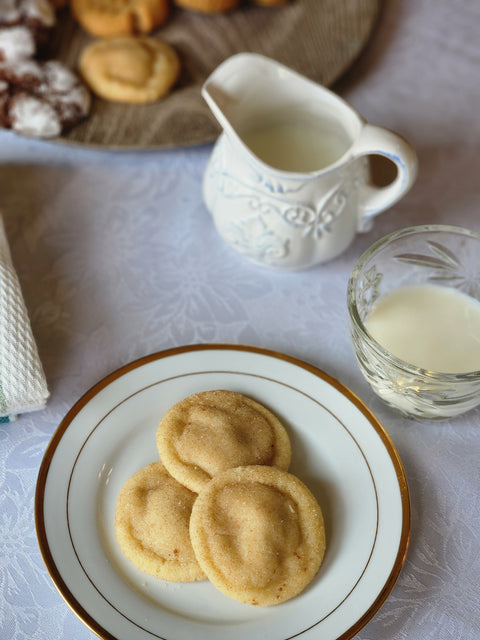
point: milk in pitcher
(296, 146)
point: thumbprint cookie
(211, 431)
(106, 18)
(130, 69)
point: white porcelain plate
(339, 450)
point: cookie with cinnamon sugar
(208, 432)
(152, 525)
(258, 534)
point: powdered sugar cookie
(16, 43)
(258, 534)
(38, 16)
(130, 69)
(40, 99)
(211, 431)
(152, 525)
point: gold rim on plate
(404, 537)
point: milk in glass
(430, 326)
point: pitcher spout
(236, 95)
(240, 90)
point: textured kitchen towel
(22, 381)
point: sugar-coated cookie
(130, 69)
(106, 18)
(16, 43)
(33, 13)
(152, 525)
(211, 431)
(37, 16)
(40, 99)
(207, 6)
(258, 534)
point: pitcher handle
(375, 140)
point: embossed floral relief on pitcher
(265, 216)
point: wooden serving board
(318, 38)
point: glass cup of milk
(414, 306)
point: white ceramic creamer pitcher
(288, 182)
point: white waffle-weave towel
(23, 386)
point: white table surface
(118, 258)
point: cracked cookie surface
(40, 99)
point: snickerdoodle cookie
(152, 525)
(211, 431)
(106, 18)
(258, 534)
(130, 69)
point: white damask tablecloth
(118, 258)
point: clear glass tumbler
(430, 254)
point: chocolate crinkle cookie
(16, 43)
(40, 99)
(36, 18)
